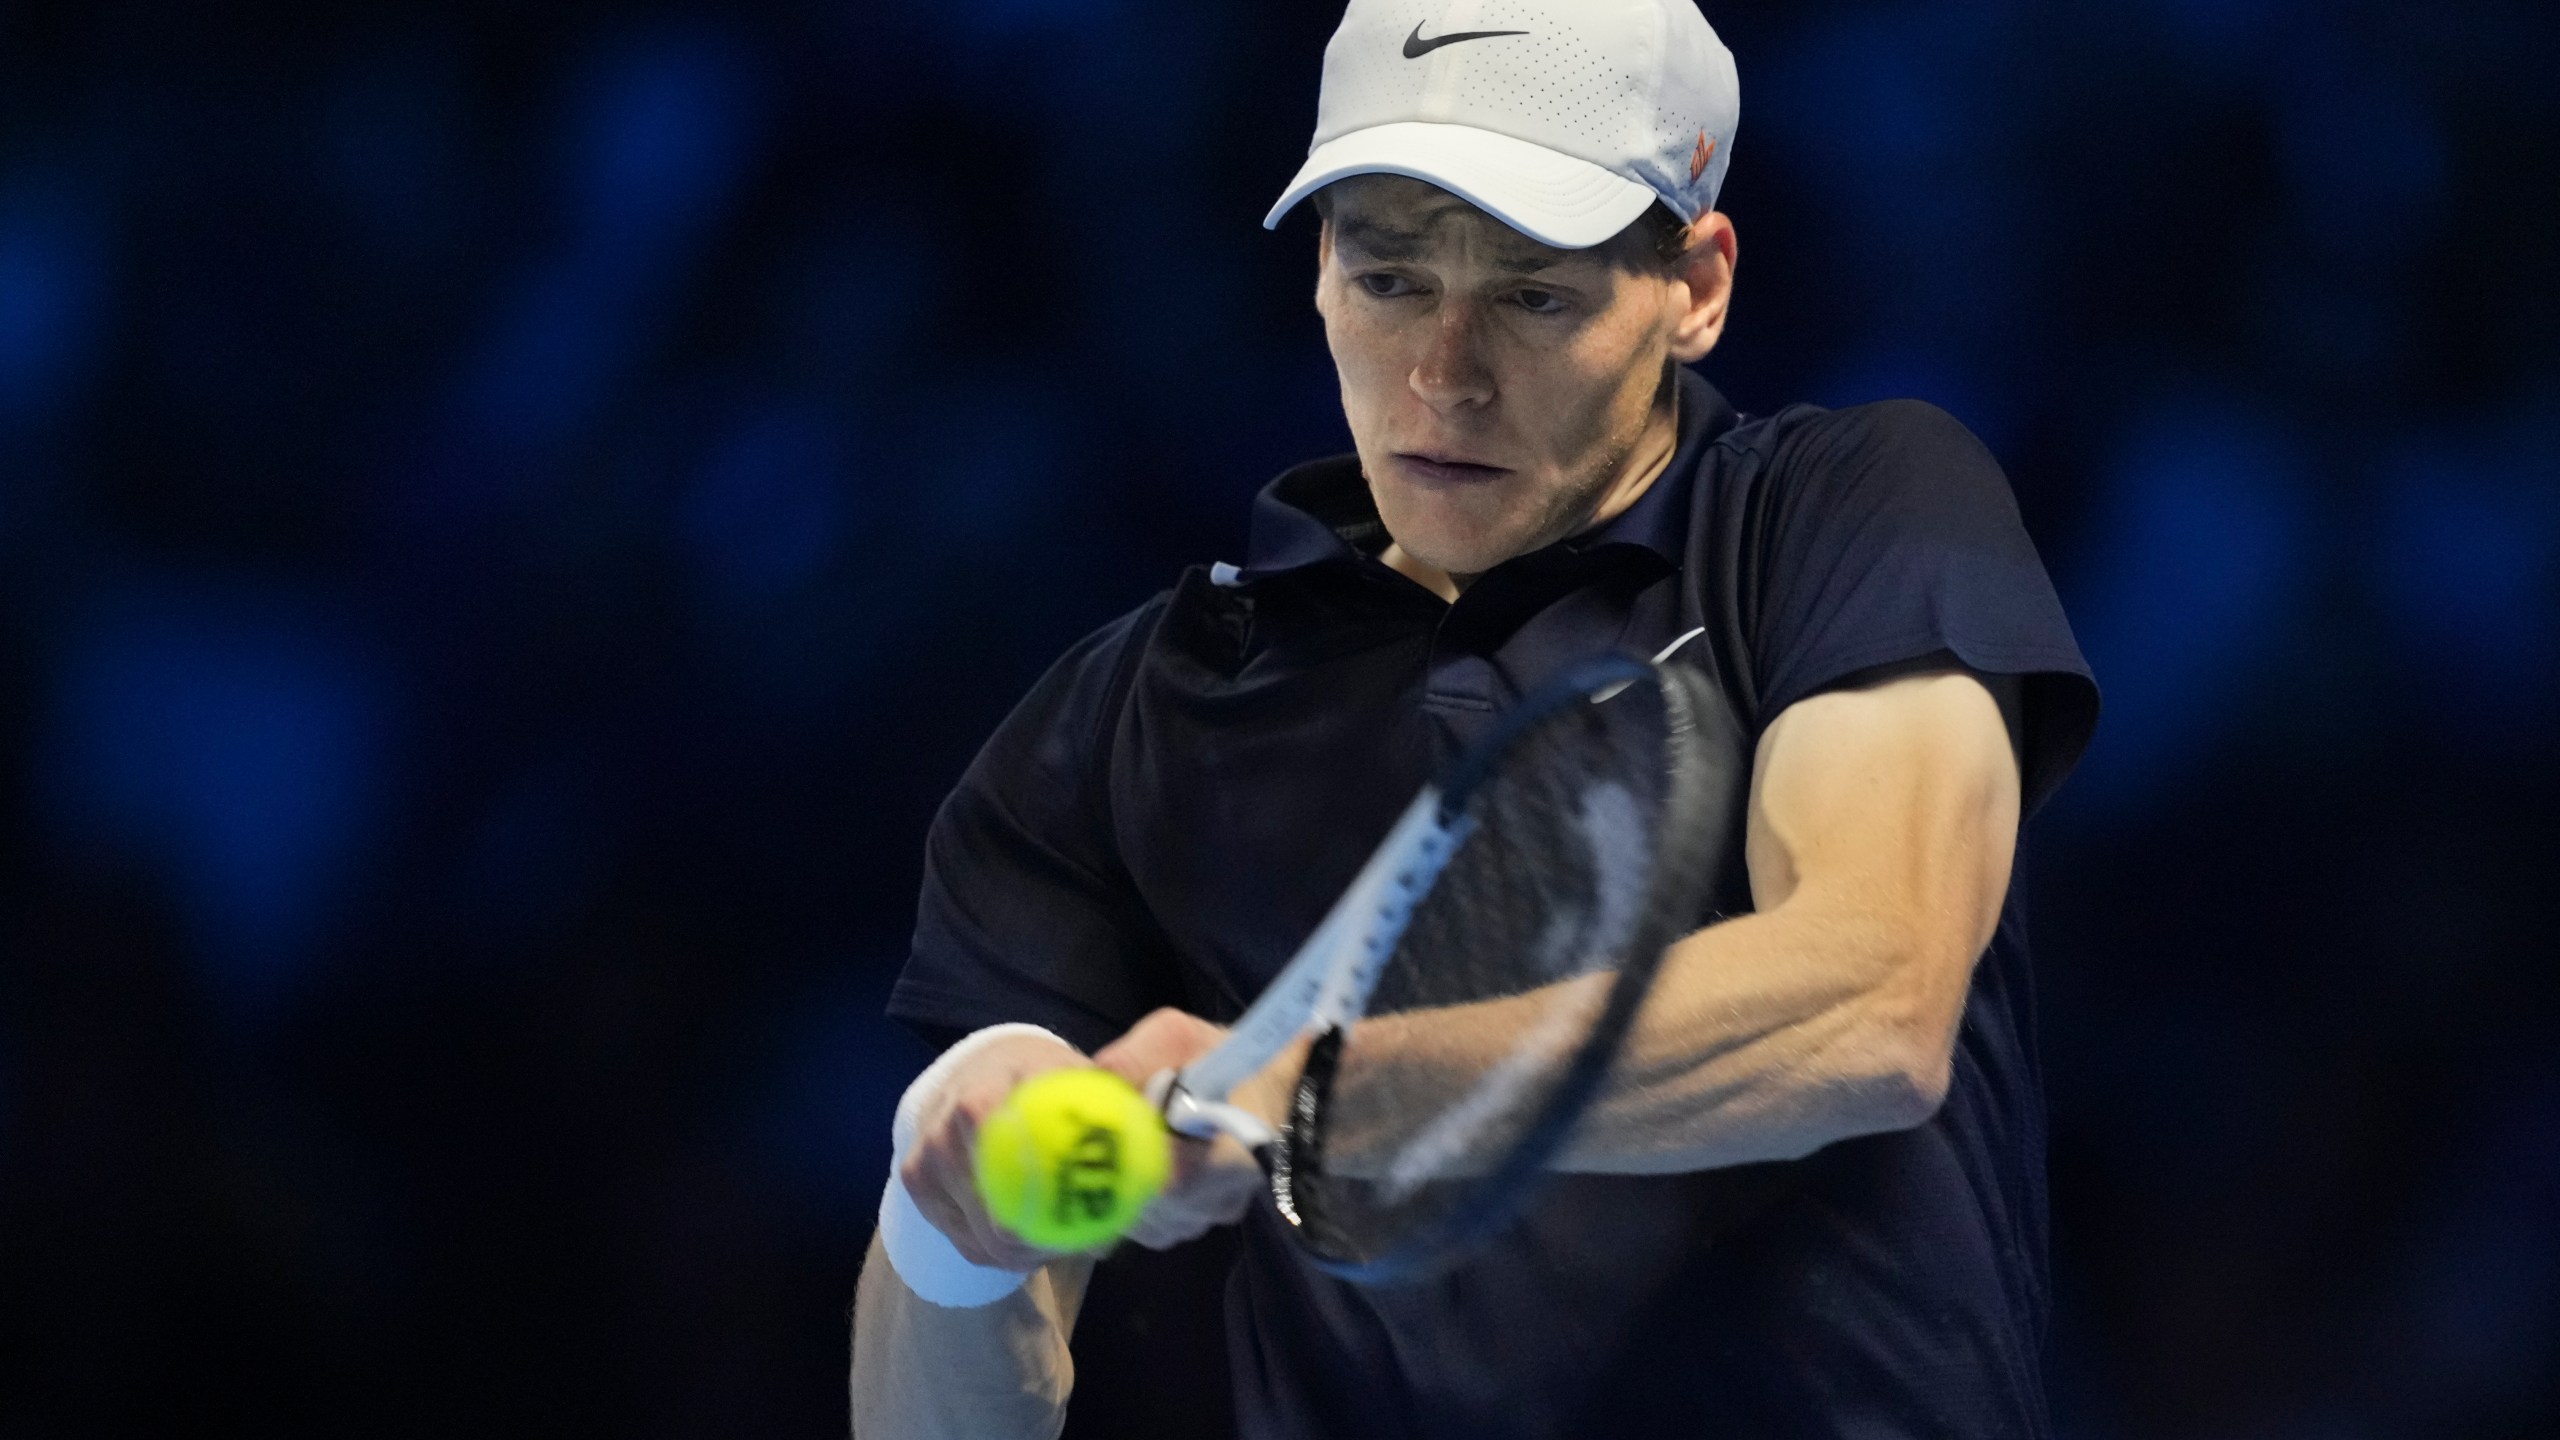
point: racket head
(1597, 815)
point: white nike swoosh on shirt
(1611, 692)
(1665, 653)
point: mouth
(1446, 469)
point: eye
(1540, 302)
(1385, 286)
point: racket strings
(1580, 862)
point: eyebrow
(1398, 245)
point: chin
(1458, 538)
(1463, 553)
(1447, 538)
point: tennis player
(1822, 1214)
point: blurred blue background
(511, 518)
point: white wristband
(923, 1256)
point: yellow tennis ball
(1071, 1157)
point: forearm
(923, 1371)
(1880, 832)
(1766, 1037)
(1769, 1037)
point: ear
(1703, 282)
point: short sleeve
(1890, 534)
(1026, 913)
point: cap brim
(1548, 196)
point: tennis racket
(1545, 869)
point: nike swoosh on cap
(1415, 47)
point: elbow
(1910, 1095)
(1877, 1095)
(1910, 1041)
(1875, 1082)
(1892, 1090)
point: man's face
(1497, 389)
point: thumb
(1165, 1040)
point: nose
(1451, 375)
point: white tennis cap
(1563, 118)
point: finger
(980, 1240)
(983, 1096)
(955, 1223)
(1165, 1040)
(929, 1179)
(943, 1184)
(1214, 1184)
(1221, 1200)
(1191, 1155)
(939, 1164)
(1007, 1251)
(1163, 1232)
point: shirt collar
(1320, 512)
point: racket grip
(1071, 1158)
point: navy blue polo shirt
(1175, 804)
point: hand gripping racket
(1546, 868)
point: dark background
(511, 517)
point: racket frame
(1324, 985)
(1696, 719)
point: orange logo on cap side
(1699, 157)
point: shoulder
(1096, 665)
(1809, 443)
(1074, 704)
(1906, 463)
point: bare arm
(923, 1371)
(1882, 825)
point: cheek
(1610, 347)
(1615, 373)
(1574, 395)
(1366, 357)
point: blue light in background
(2198, 564)
(536, 860)
(393, 144)
(2482, 1284)
(2229, 39)
(859, 305)
(234, 750)
(837, 1066)
(769, 508)
(1894, 116)
(2471, 574)
(1922, 370)
(1871, 107)
(662, 134)
(52, 283)
(2364, 162)
(661, 127)
(992, 463)
(982, 19)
